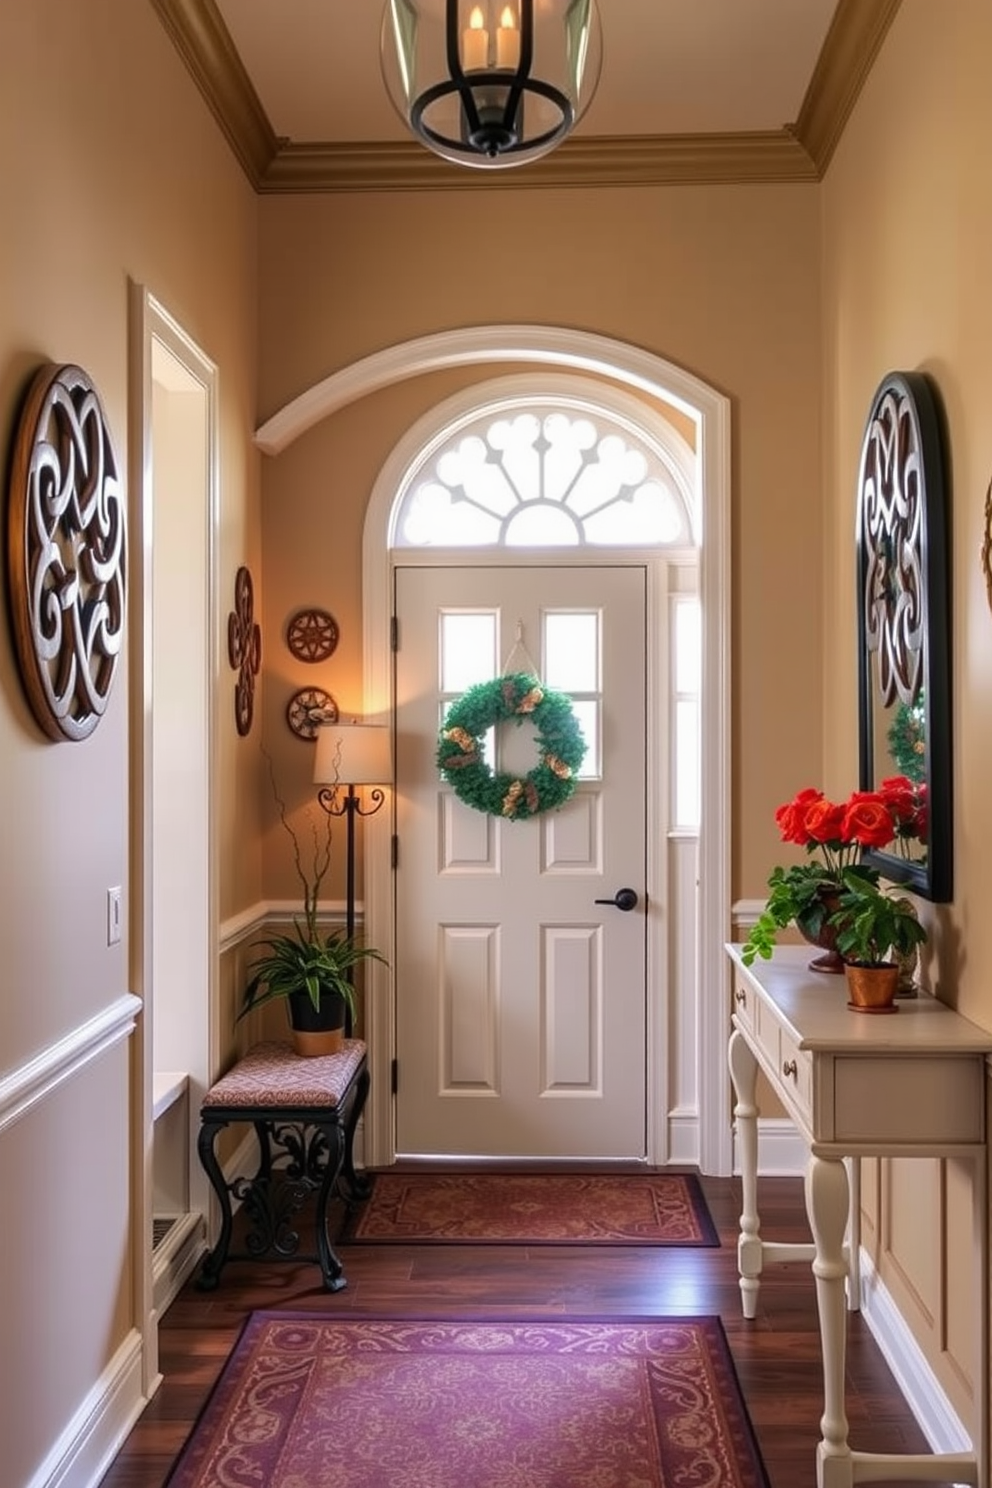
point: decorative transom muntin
(541, 476)
(891, 508)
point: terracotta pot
(314, 1032)
(826, 937)
(872, 989)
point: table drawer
(795, 1072)
(745, 998)
(790, 1068)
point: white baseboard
(87, 1446)
(174, 1261)
(781, 1151)
(938, 1420)
(683, 1138)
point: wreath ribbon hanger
(520, 659)
(515, 695)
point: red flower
(868, 820)
(824, 821)
(899, 795)
(791, 817)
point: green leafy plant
(307, 961)
(800, 895)
(873, 927)
(807, 894)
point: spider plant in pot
(872, 929)
(312, 971)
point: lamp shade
(353, 754)
(491, 83)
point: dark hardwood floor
(777, 1355)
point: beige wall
(110, 169)
(907, 209)
(723, 281)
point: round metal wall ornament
(66, 552)
(312, 635)
(308, 709)
(244, 649)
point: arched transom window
(546, 473)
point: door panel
(520, 999)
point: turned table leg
(744, 1074)
(827, 1204)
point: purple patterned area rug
(368, 1403)
(498, 1208)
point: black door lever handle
(625, 899)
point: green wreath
(558, 736)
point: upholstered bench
(307, 1109)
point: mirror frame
(904, 627)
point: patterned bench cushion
(271, 1074)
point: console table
(855, 1085)
(307, 1109)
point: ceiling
(696, 90)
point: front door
(520, 985)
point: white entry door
(521, 999)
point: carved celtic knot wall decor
(312, 635)
(987, 544)
(891, 507)
(66, 553)
(308, 709)
(244, 649)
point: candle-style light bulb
(475, 42)
(508, 40)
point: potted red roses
(823, 897)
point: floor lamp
(350, 755)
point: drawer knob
(740, 995)
(790, 1068)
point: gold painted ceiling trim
(846, 58)
(799, 152)
(615, 161)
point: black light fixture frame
(490, 127)
(349, 806)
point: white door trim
(620, 363)
(151, 323)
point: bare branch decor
(66, 552)
(244, 649)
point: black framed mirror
(904, 717)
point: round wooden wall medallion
(66, 553)
(312, 635)
(308, 709)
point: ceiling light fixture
(491, 83)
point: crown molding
(795, 153)
(852, 43)
(198, 32)
(646, 160)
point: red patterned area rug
(495, 1208)
(370, 1403)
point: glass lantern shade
(491, 83)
